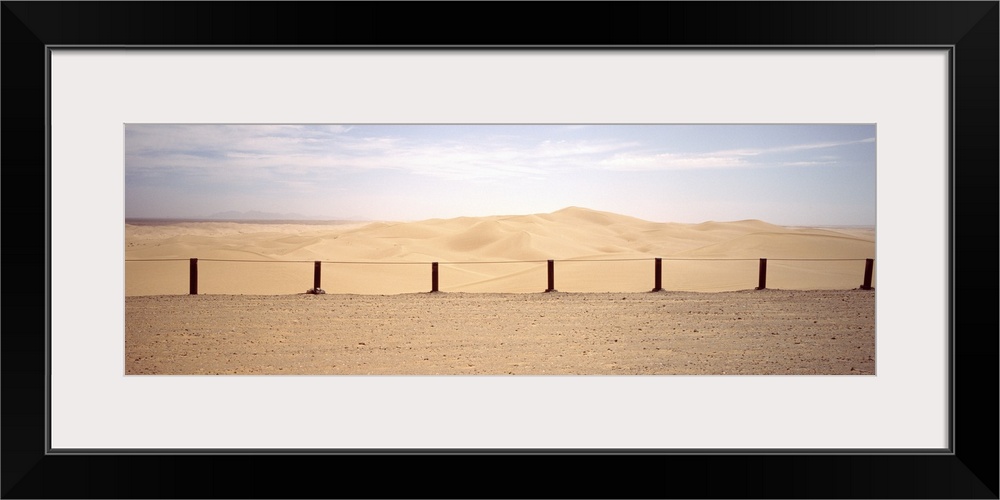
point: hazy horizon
(794, 175)
(263, 217)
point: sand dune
(786, 245)
(470, 248)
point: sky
(802, 175)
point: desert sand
(767, 332)
(490, 317)
(479, 254)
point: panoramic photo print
(563, 249)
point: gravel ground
(746, 332)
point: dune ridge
(573, 233)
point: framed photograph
(136, 114)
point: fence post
(434, 276)
(657, 280)
(194, 277)
(552, 277)
(762, 276)
(316, 275)
(868, 274)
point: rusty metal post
(194, 277)
(658, 279)
(869, 263)
(762, 277)
(434, 276)
(552, 277)
(316, 275)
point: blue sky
(783, 174)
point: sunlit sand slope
(594, 252)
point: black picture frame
(970, 29)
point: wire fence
(575, 274)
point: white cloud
(305, 153)
(669, 161)
(733, 158)
(796, 147)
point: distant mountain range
(258, 215)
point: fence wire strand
(671, 259)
